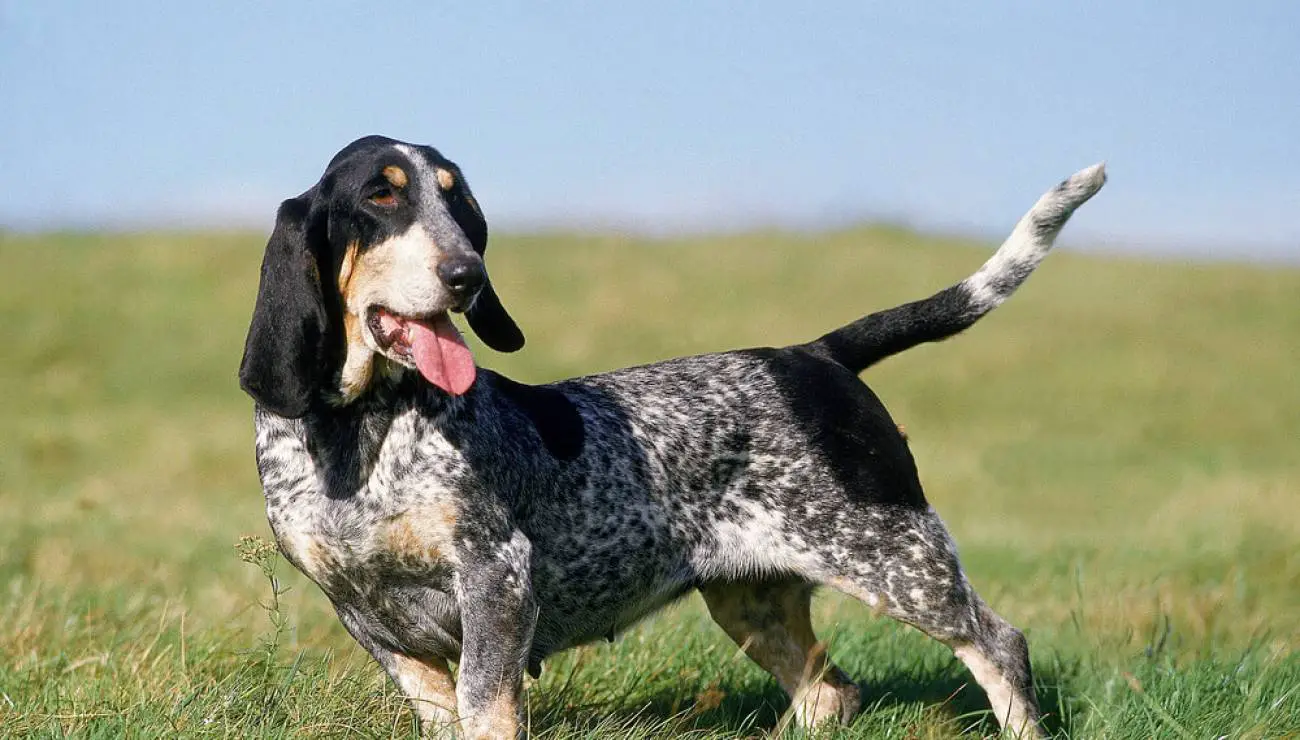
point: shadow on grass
(741, 708)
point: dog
(452, 514)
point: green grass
(1115, 450)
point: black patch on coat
(551, 413)
(846, 426)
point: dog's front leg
(497, 617)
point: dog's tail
(873, 338)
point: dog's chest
(357, 534)
(351, 551)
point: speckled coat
(497, 527)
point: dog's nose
(462, 275)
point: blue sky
(669, 115)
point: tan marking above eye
(445, 179)
(396, 176)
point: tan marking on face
(358, 362)
(359, 274)
(367, 274)
(398, 273)
(429, 686)
(345, 271)
(445, 179)
(396, 176)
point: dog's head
(361, 272)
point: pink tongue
(441, 355)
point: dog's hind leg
(770, 621)
(914, 576)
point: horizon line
(1085, 241)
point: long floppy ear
(487, 317)
(489, 320)
(283, 354)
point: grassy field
(1117, 451)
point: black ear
(283, 354)
(487, 317)
(489, 320)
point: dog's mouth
(430, 343)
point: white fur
(757, 542)
(410, 284)
(1029, 243)
(1006, 702)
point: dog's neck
(345, 440)
(361, 369)
(513, 434)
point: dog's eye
(384, 198)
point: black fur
(553, 416)
(872, 338)
(287, 340)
